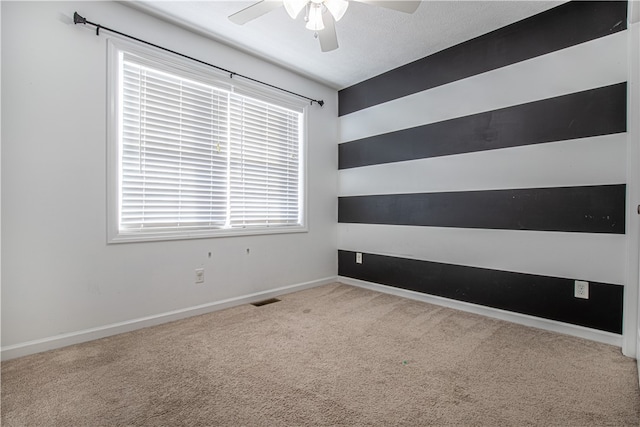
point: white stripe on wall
(587, 161)
(589, 65)
(584, 256)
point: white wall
(59, 276)
(634, 154)
(0, 177)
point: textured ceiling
(372, 39)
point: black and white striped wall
(493, 174)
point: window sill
(137, 237)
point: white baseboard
(521, 319)
(51, 343)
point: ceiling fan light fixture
(337, 8)
(315, 9)
(294, 7)
(315, 17)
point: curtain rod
(77, 19)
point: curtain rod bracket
(77, 19)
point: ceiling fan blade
(406, 6)
(254, 11)
(328, 37)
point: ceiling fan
(320, 15)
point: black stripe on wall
(593, 112)
(587, 209)
(541, 296)
(558, 28)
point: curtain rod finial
(77, 19)
(320, 103)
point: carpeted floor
(333, 355)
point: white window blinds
(197, 157)
(264, 164)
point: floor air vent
(265, 302)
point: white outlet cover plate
(199, 275)
(581, 289)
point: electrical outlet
(358, 257)
(199, 275)
(581, 289)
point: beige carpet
(333, 355)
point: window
(192, 156)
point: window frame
(166, 62)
